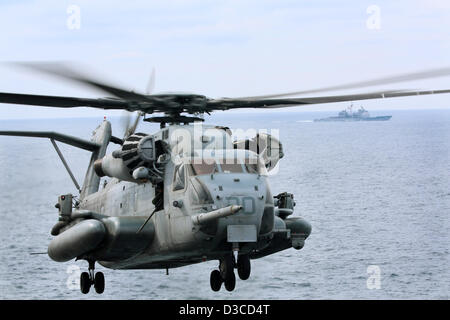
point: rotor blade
(62, 102)
(135, 123)
(427, 74)
(175, 104)
(125, 119)
(70, 140)
(130, 126)
(151, 83)
(65, 72)
(289, 102)
(154, 103)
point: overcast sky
(225, 48)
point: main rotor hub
(173, 119)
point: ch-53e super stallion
(185, 194)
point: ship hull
(343, 119)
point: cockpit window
(231, 166)
(226, 165)
(178, 178)
(204, 167)
(252, 168)
(252, 165)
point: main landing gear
(226, 275)
(90, 278)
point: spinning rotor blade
(135, 123)
(173, 104)
(427, 74)
(125, 120)
(128, 125)
(61, 102)
(226, 104)
(64, 71)
(168, 105)
(151, 83)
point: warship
(360, 115)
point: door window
(179, 178)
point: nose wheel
(225, 275)
(215, 280)
(85, 282)
(244, 267)
(87, 279)
(230, 282)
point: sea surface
(376, 193)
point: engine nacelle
(81, 238)
(108, 239)
(132, 162)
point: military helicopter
(183, 195)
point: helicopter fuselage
(178, 240)
(150, 223)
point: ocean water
(377, 195)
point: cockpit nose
(227, 181)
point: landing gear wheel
(85, 282)
(230, 283)
(215, 280)
(244, 267)
(227, 268)
(99, 282)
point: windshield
(203, 167)
(252, 165)
(252, 168)
(231, 166)
(209, 166)
(178, 178)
